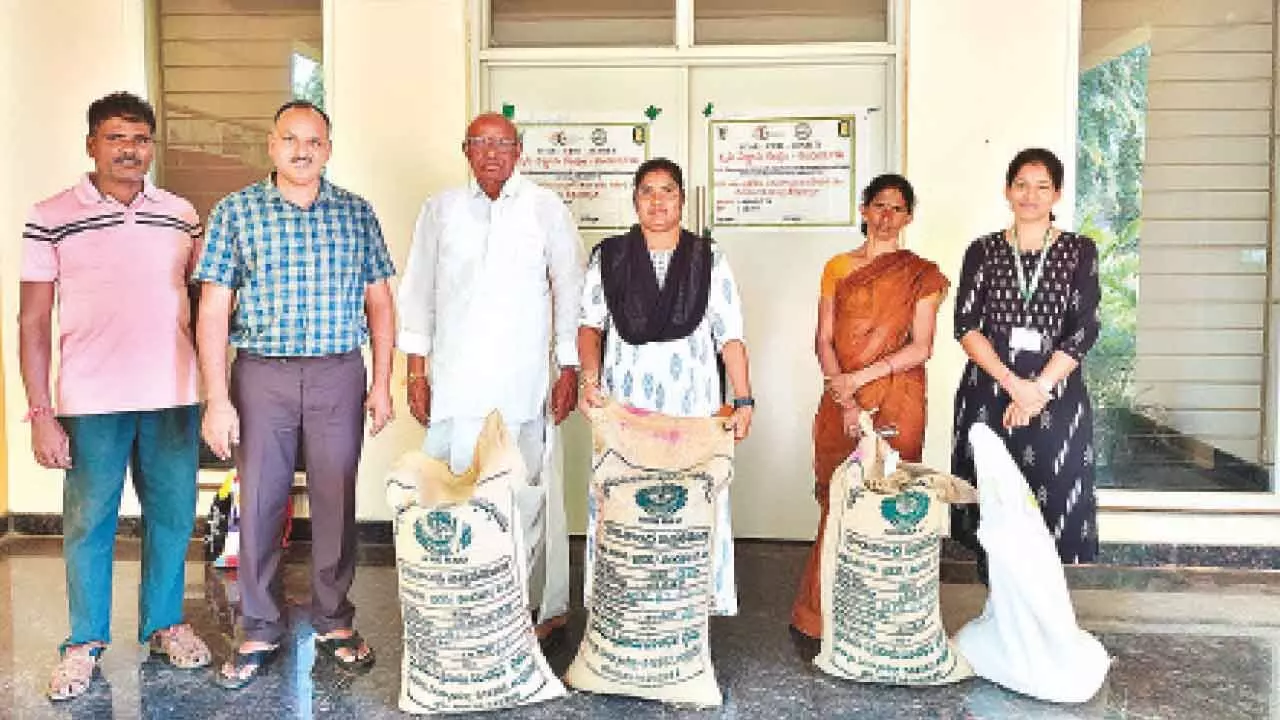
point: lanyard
(1025, 290)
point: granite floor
(1159, 463)
(1195, 644)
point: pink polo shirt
(123, 316)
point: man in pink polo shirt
(114, 253)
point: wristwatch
(741, 402)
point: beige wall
(560, 23)
(64, 54)
(980, 87)
(8, 208)
(397, 74)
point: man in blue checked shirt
(299, 268)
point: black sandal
(258, 660)
(328, 648)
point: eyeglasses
(487, 143)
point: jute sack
(880, 560)
(468, 636)
(655, 480)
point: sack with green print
(880, 560)
(655, 480)
(469, 643)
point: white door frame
(686, 54)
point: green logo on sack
(662, 500)
(905, 510)
(439, 533)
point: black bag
(219, 518)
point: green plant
(1110, 146)
(308, 79)
(1111, 139)
(1109, 367)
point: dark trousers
(321, 400)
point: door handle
(701, 223)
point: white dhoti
(539, 500)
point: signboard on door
(589, 165)
(783, 172)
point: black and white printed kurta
(1055, 452)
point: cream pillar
(56, 56)
(980, 87)
(397, 74)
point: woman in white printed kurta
(677, 377)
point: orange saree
(874, 308)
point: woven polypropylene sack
(655, 480)
(880, 563)
(469, 643)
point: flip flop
(258, 661)
(328, 648)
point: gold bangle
(585, 381)
(410, 377)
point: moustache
(126, 159)
(300, 159)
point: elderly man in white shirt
(494, 267)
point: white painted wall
(62, 55)
(397, 75)
(980, 87)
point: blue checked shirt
(299, 274)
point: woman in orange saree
(876, 320)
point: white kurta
(675, 377)
(486, 285)
(478, 293)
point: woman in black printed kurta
(1026, 331)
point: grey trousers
(321, 400)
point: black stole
(641, 311)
